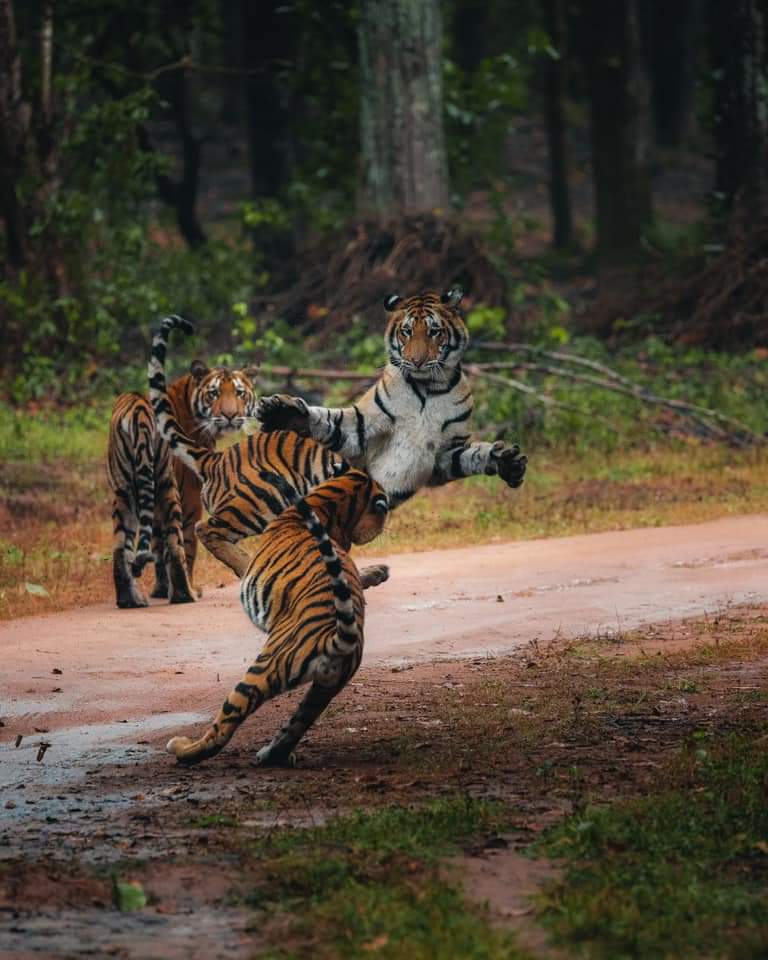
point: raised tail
(190, 453)
(346, 622)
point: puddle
(73, 749)
(208, 933)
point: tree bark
(674, 44)
(619, 126)
(401, 108)
(15, 139)
(739, 32)
(555, 93)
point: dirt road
(125, 674)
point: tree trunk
(555, 92)
(268, 39)
(401, 108)
(15, 139)
(673, 42)
(739, 32)
(619, 128)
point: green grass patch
(214, 820)
(76, 435)
(680, 873)
(370, 882)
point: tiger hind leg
(161, 587)
(173, 579)
(247, 696)
(128, 593)
(330, 678)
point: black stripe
(360, 428)
(461, 417)
(380, 404)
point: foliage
(681, 873)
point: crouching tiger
(156, 500)
(305, 592)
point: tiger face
(426, 336)
(353, 507)
(222, 400)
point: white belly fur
(404, 460)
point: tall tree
(673, 43)
(556, 79)
(739, 32)
(617, 84)
(401, 108)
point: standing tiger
(156, 501)
(235, 483)
(304, 591)
(410, 429)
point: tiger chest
(404, 460)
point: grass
(55, 506)
(369, 883)
(680, 873)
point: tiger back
(305, 592)
(157, 501)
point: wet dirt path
(97, 681)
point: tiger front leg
(491, 459)
(222, 543)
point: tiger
(303, 590)
(234, 484)
(410, 429)
(156, 502)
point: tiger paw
(374, 575)
(508, 463)
(177, 746)
(270, 757)
(281, 412)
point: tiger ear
(391, 302)
(453, 296)
(251, 371)
(380, 503)
(198, 369)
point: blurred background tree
(274, 168)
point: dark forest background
(582, 167)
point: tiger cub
(411, 428)
(236, 484)
(156, 501)
(304, 591)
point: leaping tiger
(304, 591)
(410, 429)
(156, 501)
